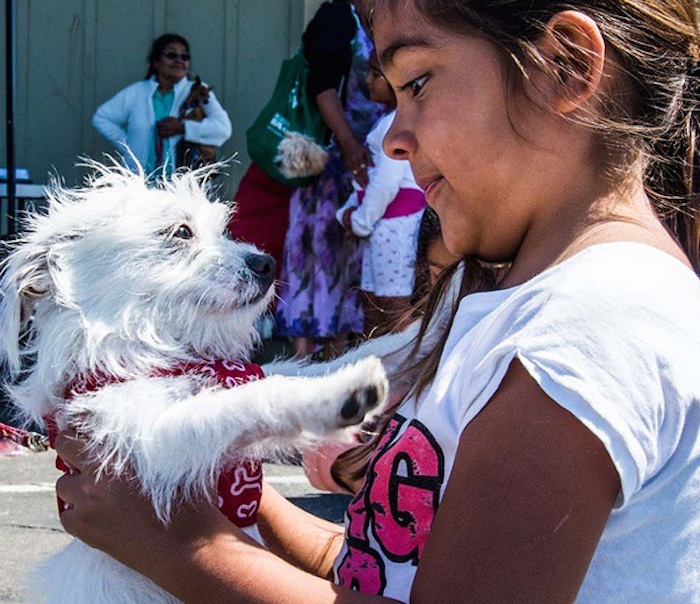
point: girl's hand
(347, 219)
(110, 513)
(99, 509)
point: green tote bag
(289, 112)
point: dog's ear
(25, 278)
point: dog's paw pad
(359, 403)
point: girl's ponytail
(673, 169)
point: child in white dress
(387, 212)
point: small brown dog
(191, 154)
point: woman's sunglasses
(174, 55)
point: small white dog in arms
(120, 304)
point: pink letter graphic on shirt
(405, 493)
(362, 571)
(357, 510)
(398, 501)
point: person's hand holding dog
(170, 126)
(95, 509)
(110, 513)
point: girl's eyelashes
(414, 87)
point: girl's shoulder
(607, 290)
(615, 322)
(611, 296)
(613, 268)
(621, 269)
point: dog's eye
(183, 232)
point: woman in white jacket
(142, 121)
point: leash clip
(38, 443)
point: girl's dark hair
(157, 48)
(428, 233)
(650, 116)
(374, 58)
(352, 465)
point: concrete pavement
(30, 530)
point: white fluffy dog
(118, 284)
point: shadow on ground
(330, 506)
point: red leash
(159, 149)
(31, 440)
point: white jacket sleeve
(111, 118)
(384, 182)
(215, 129)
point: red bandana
(240, 487)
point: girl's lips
(431, 186)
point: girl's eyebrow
(402, 44)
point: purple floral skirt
(319, 285)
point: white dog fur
(124, 278)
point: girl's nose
(399, 141)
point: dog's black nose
(263, 267)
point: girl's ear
(573, 47)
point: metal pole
(10, 120)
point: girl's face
(454, 125)
(379, 89)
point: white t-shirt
(613, 335)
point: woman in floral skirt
(319, 286)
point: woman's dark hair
(157, 48)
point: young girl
(387, 212)
(551, 449)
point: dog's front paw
(355, 399)
(358, 404)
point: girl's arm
(529, 494)
(200, 556)
(302, 539)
